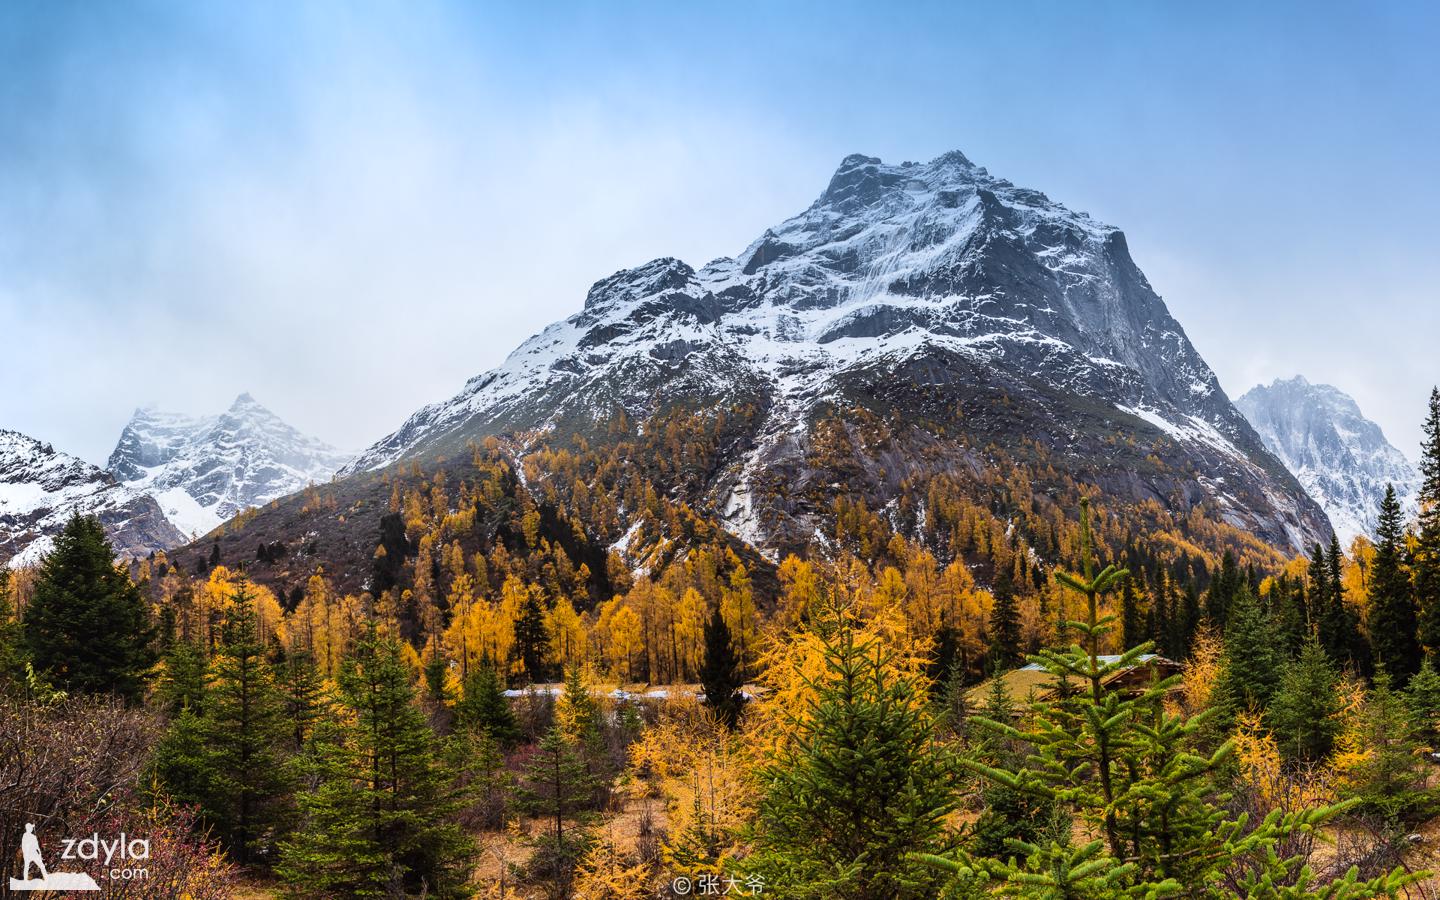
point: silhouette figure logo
(33, 859)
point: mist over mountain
(204, 470)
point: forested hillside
(501, 692)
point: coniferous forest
(1162, 713)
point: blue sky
(350, 208)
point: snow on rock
(203, 470)
(41, 488)
(891, 263)
(1341, 457)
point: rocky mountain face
(967, 315)
(41, 488)
(1341, 457)
(204, 470)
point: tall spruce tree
(1339, 624)
(381, 794)
(1427, 550)
(532, 641)
(304, 696)
(245, 730)
(86, 627)
(1393, 620)
(1005, 633)
(1252, 657)
(720, 676)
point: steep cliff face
(935, 296)
(1341, 457)
(41, 488)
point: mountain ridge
(892, 266)
(205, 469)
(41, 488)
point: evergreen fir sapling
(557, 787)
(86, 628)
(1422, 699)
(1381, 764)
(862, 787)
(582, 721)
(1304, 712)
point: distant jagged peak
(1342, 458)
(205, 469)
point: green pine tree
(1422, 698)
(182, 678)
(1005, 635)
(1427, 552)
(380, 789)
(337, 851)
(245, 730)
(304, 697)
(1338, 626)
(1393, 621)
(720, 676)
(86, 628)
(557, 787)
(860, 790)
(1252, 657)
(1304, 713)
(1390, 778)
(181, 763)
(483, 707)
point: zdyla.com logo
(123, 859)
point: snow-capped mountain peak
(891, 266)
(203, 470)
(1341, 457)
(41, 488)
